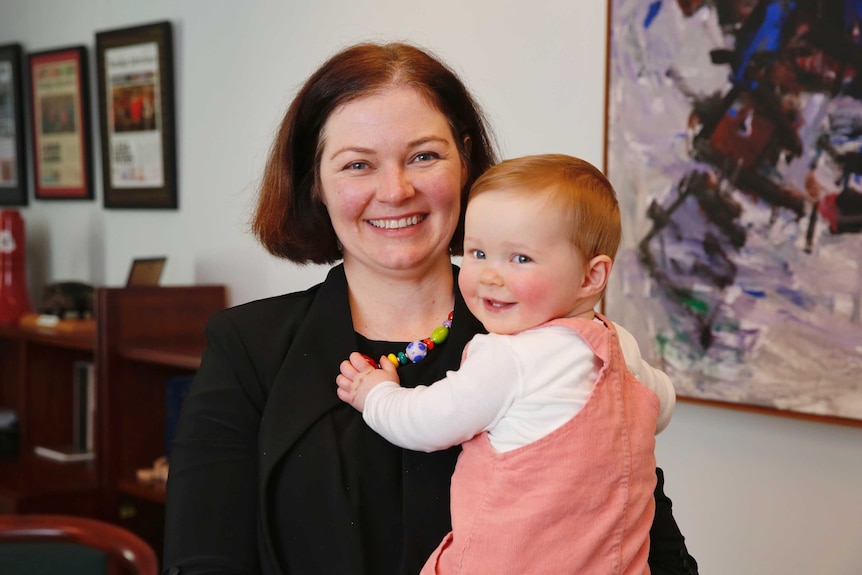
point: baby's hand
(359, 375)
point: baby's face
(520, 268)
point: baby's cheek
(467, 281)
(531, 292)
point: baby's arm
(653, 378)
(437, 416)
(359, 375)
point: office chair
(69, 545)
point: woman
(271, 472)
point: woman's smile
(396, 224)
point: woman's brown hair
(291, 221)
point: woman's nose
(395, 186)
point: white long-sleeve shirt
(518, 388)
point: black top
(392, 493)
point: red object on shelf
(14, 301)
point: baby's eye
(521, 259)
(478, 254)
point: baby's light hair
(576, 187)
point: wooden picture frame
(61, 124)
(13, 154)
(732, 141)
(146, 271)
(135, 72)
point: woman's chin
(408, 260)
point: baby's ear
(597, 273)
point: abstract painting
(734, 142)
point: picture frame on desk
(146, 271)
(60, 112)
(137, 116)
(13, 154)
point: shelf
(184, 357)
(81, 340)
(30, 470)
(154, 493)
(30, 484)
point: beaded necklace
(417, 350)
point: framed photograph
(136, 115)
(13, 158)
(60, 110)
(734, 141)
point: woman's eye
(521, 259)
(426, 156)
(356, 166)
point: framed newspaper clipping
(137, 116)
(60, 110)
(13, 164)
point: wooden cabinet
(140, 338)
(36, 370)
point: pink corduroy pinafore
(577, 501)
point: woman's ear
(468, 146)
(597, 273)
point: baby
(554, 407)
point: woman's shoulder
(290, 306)
(282, 302)
(261, 322)
(259, 332)
(282, 310)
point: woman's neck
(402, 306)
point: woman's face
(391, 178)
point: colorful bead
(428, 343)
(402, 358)
(391, 357)
(416, 351)
(439, 334)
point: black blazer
(257, 451)
(259, 408)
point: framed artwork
(60, 111)
(734, 141)
(136, 115)
(13, 159)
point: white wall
(237, 65)
(754, 494)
